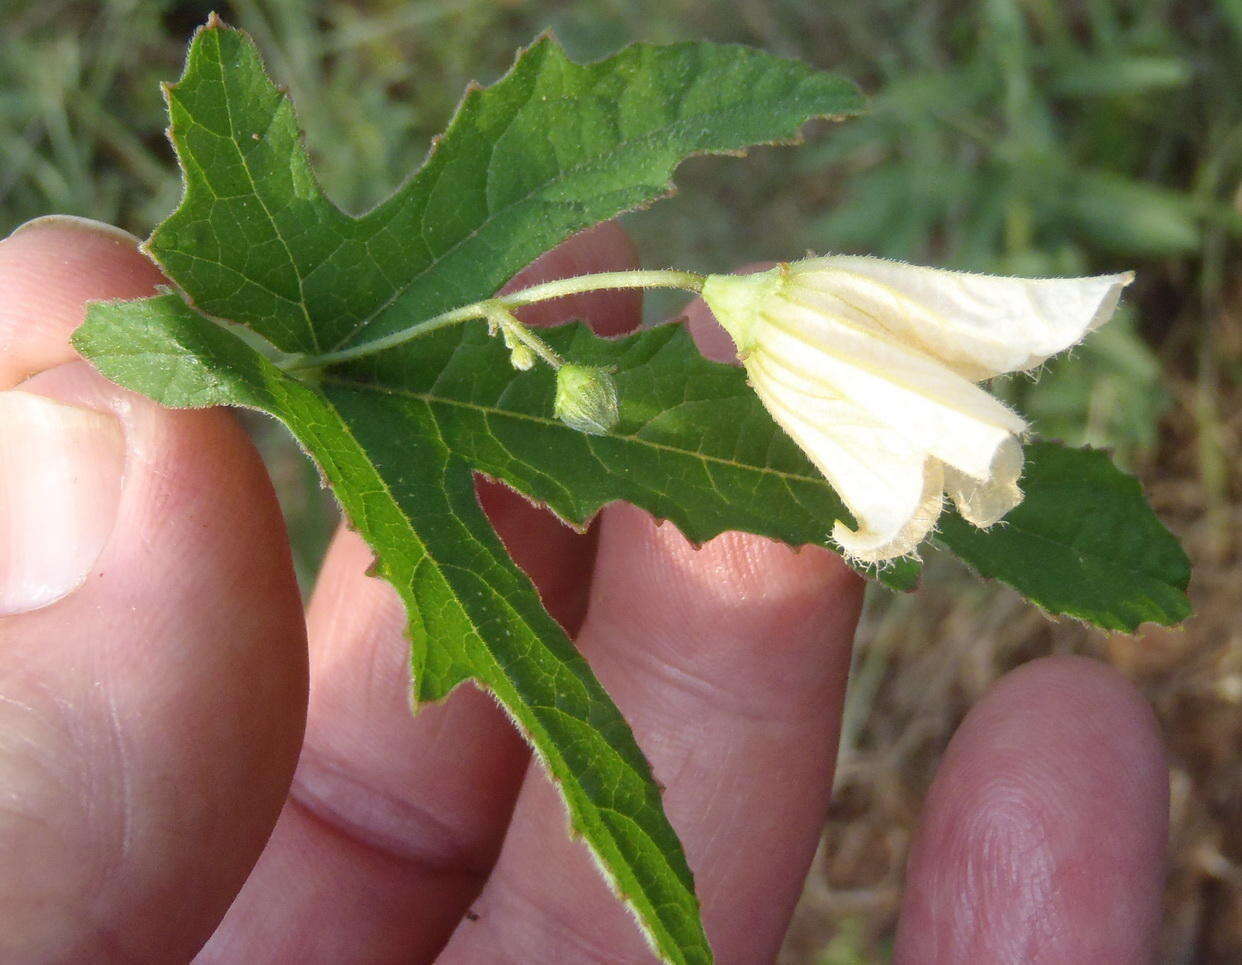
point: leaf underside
(552, 148)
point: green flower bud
(586, 399)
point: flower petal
(981, 325)
(891, 487)
(983, 503)
(936, 410)
(869, 546)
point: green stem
(687, 280)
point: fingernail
(61, 470)
(85, 225)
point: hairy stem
(601, 281)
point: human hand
(153, 699)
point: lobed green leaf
(552, 148)
(473, 613)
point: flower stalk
(559, 288)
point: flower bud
(586, 399)
(521, 357)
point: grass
(1022, 136)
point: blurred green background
(1017, 136)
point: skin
(189, 765)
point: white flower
(870, 365)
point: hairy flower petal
(876, 470)
(984, 502)
(950, 417)
(980, 325)
(870, 366)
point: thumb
(152, 648)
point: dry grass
(925, 660)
